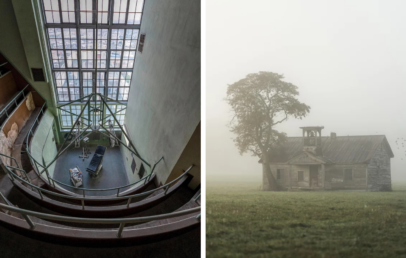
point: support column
(290, 177)
(323, 176)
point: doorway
(314, 176)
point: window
(300, 176)
(100, 83)
(120, 8)
(66, 119)
(135, 11)
(119, 111)
(86, 9)
(279, 173)
(68, 11)
(51, 8)
(103, 11)
(119, 82)
(76, 49)
(347, 174)
(131, 37)
(87, 83)
(142, 171)
(69, 114)
(133, 165)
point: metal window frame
(91, 116)
(77, 25)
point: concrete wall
(11, 44)
(23, 44)
(127, 159)
(379, 171)
(164, 103)
(42, 145)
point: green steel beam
(136, 154)
(70, 103)
(118, 123)
(116, 112)
(73, 114)
(61, 152)
(121, 103)
(74, 124)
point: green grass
(243, 221)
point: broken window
(142, 171)
(279, 173)
(300, 176)
(347, 174)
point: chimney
(333, 136)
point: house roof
(339, 150)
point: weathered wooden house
(333, 162)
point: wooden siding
(379, 171)
(332, 179)
(335, 177)
(8, 89)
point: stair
(183, 230)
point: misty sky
(348, 59)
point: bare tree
(260, 101)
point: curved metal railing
(121, 221)
(35, 164)
(13, 101)
(129, 198)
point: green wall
(43, 147)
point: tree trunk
(272, 183)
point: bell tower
(312, 139)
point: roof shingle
(339, 150)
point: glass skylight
(86, 58)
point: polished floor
(112, 174)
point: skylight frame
(80, 69)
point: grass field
(243, 221)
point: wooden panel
(19, 116)
(38, 100)
(7, 88)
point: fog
(348, 59)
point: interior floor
(112, 174)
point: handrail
(146, 178)
(82, 199)
(35, 162)
(13, 100)
(122, 221)
(32, 126)
(105, 189)
(1, 154)
(99, 220)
